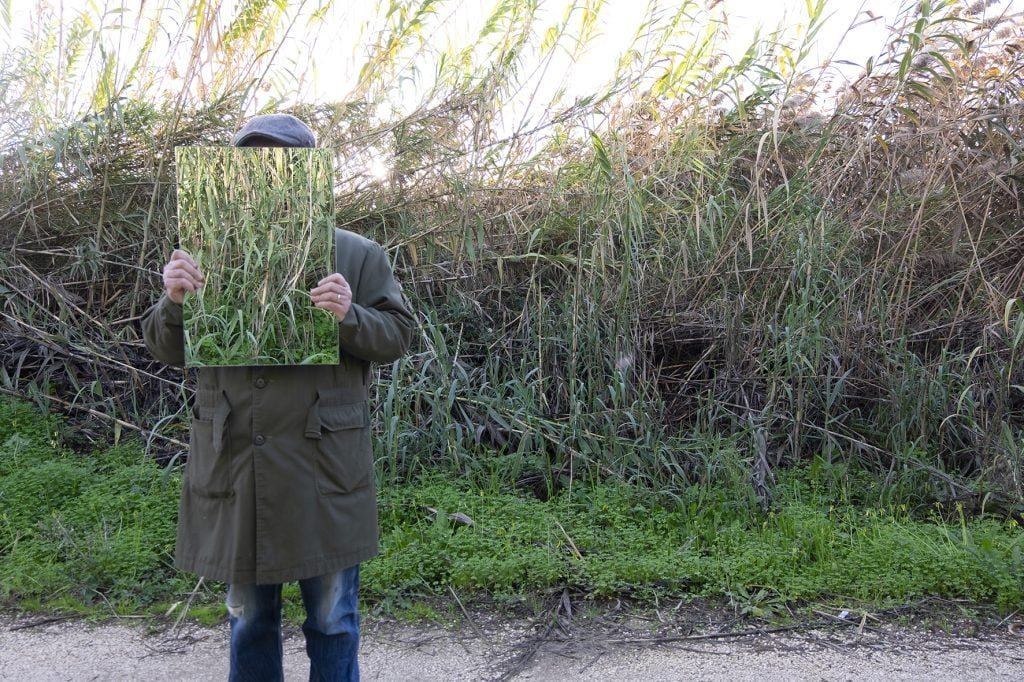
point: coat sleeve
(379, 325)
(162, 330)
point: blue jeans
(331, 629)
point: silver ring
(339, 297)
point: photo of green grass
(259, 224)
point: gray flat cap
(282, 128)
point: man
(279, 482)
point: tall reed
(703, 257)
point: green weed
(706, 255)
(610, 539)
(96, 531)
(93, 528)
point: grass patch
(88, 531)
(613, 539)
(83, 529)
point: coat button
(260, 439)
(261, 382)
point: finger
(181, 258)
(183, 268)
(331, 288)
(336, 307)
(185, 263)
(177, 276)
(182, 284)
(338, 311)
(179, 254)
(334, 304)
(333, 277)
(333, 298)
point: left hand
(333, 294)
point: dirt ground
(617, 644)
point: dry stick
(592, 662)
(572, 544)
(861, 624)
(472, 623)
(531, 651)
(110, 606)
(555, 120)
(95, 413)
(59, 295)
(1007, 619)
(28, 204)
(72, 348)
(42, 621)
(148, 221)
(63, 253)
(188, 603)
(715, 635)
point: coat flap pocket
(208, 398)
(213, 406)
(336, 418)
(339, 417)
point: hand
(182, 275)
(333, 294)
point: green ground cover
(95, 531)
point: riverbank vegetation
(765, 330)
(95, 532)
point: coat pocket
(209, 455)
(344, 455)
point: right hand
(181, 275)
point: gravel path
(491, 649)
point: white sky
(618, 22)
(325, 57)
(335, 60)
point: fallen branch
(715, 635)
(101, 415)
(188, 604)
(41, 621)
(472, 623)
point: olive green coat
(279, 482)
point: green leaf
(601, 155)
(922, 91)
(1008, 310)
